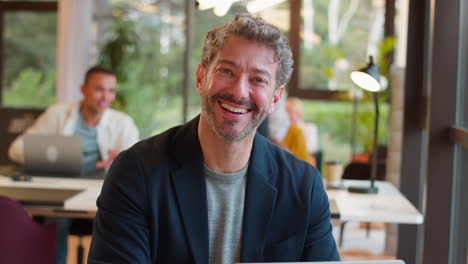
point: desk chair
(22, 239)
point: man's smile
(233, 109)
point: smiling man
(104, 131)
(213, 190)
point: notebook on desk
(52, 155)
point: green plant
(149, 74)
(118, 53)
(334, 122)
(31, 88)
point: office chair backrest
(362, 171)
(22, 240)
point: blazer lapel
(259, 203)
(190, 187)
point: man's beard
(231, 135)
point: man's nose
(240, 89)
(107, 96)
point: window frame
(435, 141)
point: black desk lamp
(368, 78)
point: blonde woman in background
(287, 134)
(295, 109)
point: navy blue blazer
(153, 205)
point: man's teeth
(234, 109)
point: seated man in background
(213, 190)
(104, 131)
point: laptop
(52, 155)
(345, 262)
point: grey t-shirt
(225, 197)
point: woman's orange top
(296, 143)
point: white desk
(81, 205)
(388, 205)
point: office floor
(356, 245)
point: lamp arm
(376, 133)
(353, 125)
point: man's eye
(225, 71)
(259, 80)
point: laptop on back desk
(52, 155)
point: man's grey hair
(258, 30)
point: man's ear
(82, 89)
(278, 93)
(200, 73)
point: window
(27, 67)
(144, 45)
(150, 40)
(330, 38)
(333, 37)
(335, 123)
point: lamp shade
(368, 77)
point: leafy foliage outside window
(334, 120)
(29, 65)
(31, 88)
(336, 37)
(146, 52)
